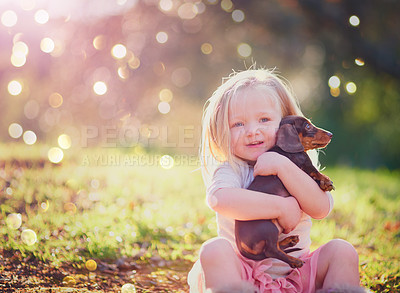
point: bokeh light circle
(166, 95)
(354, 20)
(244, 50)
(42, 16)
(166, 5)
(15, 130)
(351, 87)
(206, 48)
(47, 45)
(100, 88)
(119, 51)
(187, 11)
(14, 221)
(334, 81)
(162, 37)
(238, 15)
(29, 137)
(164, 107)
(128, 288)
(29, 237)
(181, 77)
(167, 162)
(55, 155)
(64, 141)
(55, 100)
(18, 61)
(9, 18)
(91, 265)
(14, 87)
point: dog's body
(258, 239)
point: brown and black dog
(258, 239)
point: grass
(109, 203)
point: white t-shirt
(226, 177)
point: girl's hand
(290, 215)
(269, 163)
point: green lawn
(109, 203)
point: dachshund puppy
(258, 239)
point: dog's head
(297, 134)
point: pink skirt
(298, 280)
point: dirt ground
(28, 274)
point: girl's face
(254, 116)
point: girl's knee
(215, 250)
(343, 250)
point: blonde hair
(215, 144)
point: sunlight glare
(15, 130)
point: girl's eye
(237, 124)
(264, 119)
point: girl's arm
(312, 200)
(243, 204)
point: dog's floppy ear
(288, 139)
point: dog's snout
(329, 134)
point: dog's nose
(329, 134)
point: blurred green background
(123, 73)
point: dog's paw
(289, 242)
(296, 263)
(326, 185)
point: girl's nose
(251, 129)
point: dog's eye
(308, 126)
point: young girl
(239, 125)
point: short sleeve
(224, 177)
(331, 202)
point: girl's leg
(221, 265)
(337, 265)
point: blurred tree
(186, 47)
